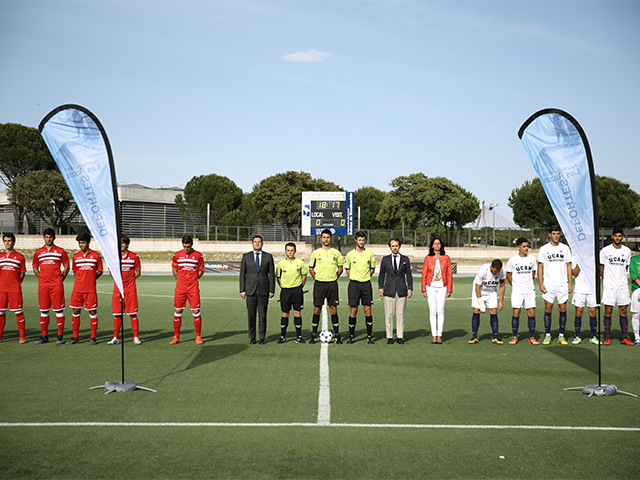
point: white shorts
(581, 300)
(616, 296)
(561, 292)
(490, 300)
(635, 301)
(523, 299)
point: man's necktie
(257, 261)
(395, 264)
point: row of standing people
(258, 276)
(51, 266)
(555, 268)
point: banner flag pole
(79, 144)
(559, 151)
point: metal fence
(468, 237)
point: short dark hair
(327, 231)
(521, 240)
(9, 235)
(83, 237)
(291, 244)
(555, 228)
(617, 230)
(125, 239)
(360, 234)
(431, 251)
(49, 231)
(257, 236)
(394, 239)
(497, 263)
(187, 239)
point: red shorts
(89, 300)
(180, 299)
(130, 302)
(13, 299)
(51, 296)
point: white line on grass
(336, 425)
(324, 395)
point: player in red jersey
(188, 268)
(130, 271)
(46, 265)
(12, 270)
(87, 268)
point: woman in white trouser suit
(437, 285)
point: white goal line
(317, 425)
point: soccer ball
(326, 336)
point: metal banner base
(122, 387)
(600, 390)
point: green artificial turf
(226, 381)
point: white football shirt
(554, 260)
(615, 261)
(521, 269)
(487, 280)
(581, 282)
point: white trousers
(436, 296)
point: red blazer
(427, 272)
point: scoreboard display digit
(327, 210)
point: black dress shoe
(389, 341)
(400, 341)
(262, 342)
(252, 341)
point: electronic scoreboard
(327, 210)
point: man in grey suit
(257, 286)
(395, 284)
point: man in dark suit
(395, 284)
(257, 286)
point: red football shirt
(130, 263)
(85, 268)
(11, 266)
(49, 262)
(188, 267)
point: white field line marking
(324, 394)
(335, 425)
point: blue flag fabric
(81, 150)
(561, 157)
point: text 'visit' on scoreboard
(327, 210)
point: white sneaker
(577, 341)
(137, 341)
(113, 341)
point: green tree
(221, 193)
(437, 203)
(279, 198)
(618, 205)
(22, 150)
(530, 206)
(45, 193)
(369, 199)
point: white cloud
(310, 56)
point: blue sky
(355, 92)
